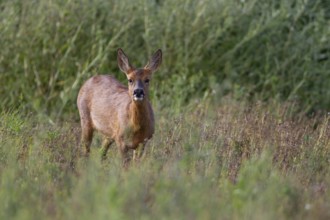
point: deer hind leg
(86, 125)
(86, 139)
(126, 158)
(86, 135)
(105, 146)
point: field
(231, 162)
(241, 102)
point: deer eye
(130, 81)
(146, 81)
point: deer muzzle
(138, 95)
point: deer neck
(139, 114)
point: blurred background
(246, 49)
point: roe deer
(122, 114)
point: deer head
(139, 78)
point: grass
(257, 50)
(233, 161)
(263, 153)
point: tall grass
(229, 162)
(251, 49)
(210, 158)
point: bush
(252, 49)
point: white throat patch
(138, 98)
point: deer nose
(138, 94)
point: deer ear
(155, 61)
(123, 61)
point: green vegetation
(231, 162)
(241, 101)
(251, 49)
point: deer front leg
(138, 152)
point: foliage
(251, 49)
(229, 162)
(259, 157)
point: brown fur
(108, 106)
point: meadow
(236, 161)
(241, 102)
